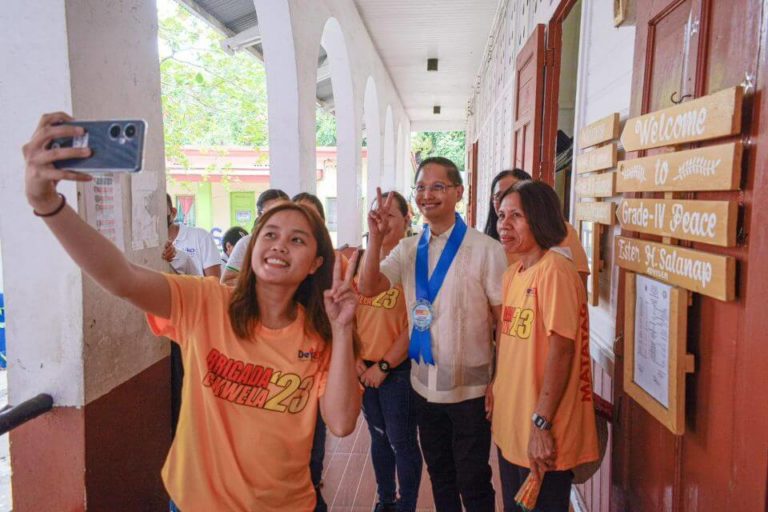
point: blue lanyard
(428, 288)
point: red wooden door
(698, 47)
(472, 164)
(529, 103)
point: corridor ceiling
(406, 33)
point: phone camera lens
(130, 131)
(114, 131)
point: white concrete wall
(604, 83)
(97, 60)
(606, 60)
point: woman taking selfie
(546, 425)
(260, 358)
(385, 371)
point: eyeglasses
(437, 188)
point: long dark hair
(493, 218)
(541, 207)
(244, 310)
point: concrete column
(388, 181)
(102, 446)
(291, 110)
(348, 138)
(373, 138)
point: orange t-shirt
(547, 298)
(570, 247)
(380, 320)
(248, 407)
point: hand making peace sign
(341, 299)
(378, 227)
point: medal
(421, 313)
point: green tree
(447, 144)
(326, 128)
(211, 98)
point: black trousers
(456, 443)
(555, 494)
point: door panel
(242, 209)
(700, 47)
(529, 103)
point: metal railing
(16, 415)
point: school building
(217, 188)
(647, 116)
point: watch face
(384, 366)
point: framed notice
(656, 361)
(589, 233)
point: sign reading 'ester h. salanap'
(707, 168)
(708, 117)
(709, 274)
(602, 130)
(711, 222)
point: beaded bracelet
(54, 212)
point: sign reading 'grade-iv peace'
(707, 168)
(709, 274)
(709, 117)
(712, 222)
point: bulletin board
(655, 356)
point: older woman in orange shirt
(543, 420)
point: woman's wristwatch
(384, 366)
(540, 422)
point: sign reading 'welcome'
(709, 117)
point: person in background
(384, 369)
(451, 275)
(267, 199)
(543, 418)
(500, 183)
(248, 450)
(228, 241)
(571, 247)
(310, 200)
(190, 251)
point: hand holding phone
(116, 146)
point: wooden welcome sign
(655, 355)
(700, 169)
(596, 212)
(602, 130)
(597, 185)
(711, 222)
(712, 275)
(708, 117)
(597, 159)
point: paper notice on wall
(104, 208)
(652, 309)
(144, 210)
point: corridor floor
(348, 481)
